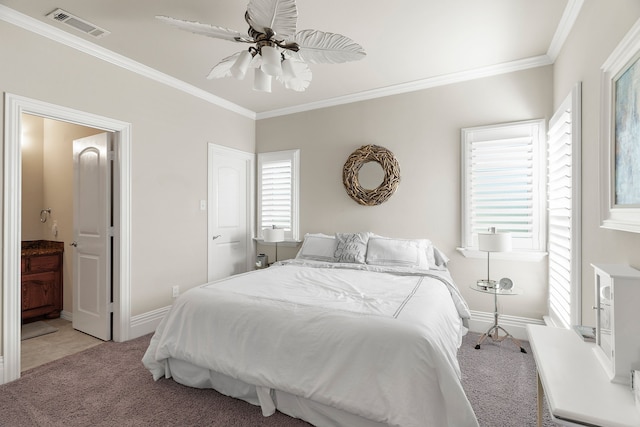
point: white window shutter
(278, 192)
(564, 212)
(504, 183)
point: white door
(229, 231)
(92, 240)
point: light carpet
(107, 386)
(500, 382)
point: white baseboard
(142, 324)
(1, 370)
(146, 323)
(480, 322)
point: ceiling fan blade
(320, 47)
(302, 78)
(205, 29)
(279, 15)
(223, 68)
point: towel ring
(44, 214)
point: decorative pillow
(440, 260)
(318, 247)
(429, 251)
(396, 252)
(352, 247)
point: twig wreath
(390, 166)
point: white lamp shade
(261, 81)
(272, 235)
(494, 242)
(271, 61)
(239, 68)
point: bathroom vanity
(41, 274)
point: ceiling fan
(277, 50)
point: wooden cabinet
(42, 282)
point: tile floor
(46, 348)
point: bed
(358, 330)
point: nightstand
(494, 331)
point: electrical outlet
(203, 205)
(175, 291)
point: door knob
(74, 244)
(215, 237)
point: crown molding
(571, 12)
(492, 70)
(26, 22)
(568, 19)
(30, 24)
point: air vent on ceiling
(77, 23)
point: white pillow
(414, 253)
(441, 260)
(318, 247)
(352, 247)
(429, 251)
(395, 252)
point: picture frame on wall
(620, 136)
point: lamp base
(486, 284)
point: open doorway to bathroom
(47, 230)
(119, 309)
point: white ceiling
(410, 44)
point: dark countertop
(41, 247)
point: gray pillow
(351, 247)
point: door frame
(14, 106)
(250, 160)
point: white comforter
(377, 342)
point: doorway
(67, 177)
(15, 106)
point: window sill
(530, 256)
(288, 243)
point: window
(503, 184)
(278, 181)
(564, 212)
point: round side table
(494, 331)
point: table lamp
(492, 241)
(273, 235)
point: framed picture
(620, 136)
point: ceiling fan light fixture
(276, 44)
(271, 61)
(240, 67)
(261, 81)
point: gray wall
(599, 29)
(170, 132)
(422, 129)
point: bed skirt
(318, 414)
